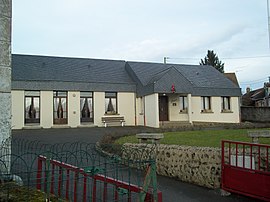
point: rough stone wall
(255, 114)
(197, 165)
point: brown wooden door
(163, 108)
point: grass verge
(202, 138)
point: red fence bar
(244, 159)
(52, 179)
(94, 190)
(97, 177)
(67, 185)
(39, 174)
(60, 181)
(267, 159)
(116, 194)
(75, 186)
(105, 192)
(237, 176)
(84, 187)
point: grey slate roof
(61, 73)
(194, 79)
(30, 72)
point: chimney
(248, 89)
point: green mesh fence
(34, 171)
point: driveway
(173, 190)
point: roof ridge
(157, 76)
(65, 57)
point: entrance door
(163, 108)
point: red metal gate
(246, 169)
(73, 183)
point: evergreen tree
(212, 59)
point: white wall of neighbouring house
(126, 107)
(46, 109)
(99, 107)
(216, 115)
(73, 108)
(174, 109)
(17, 115)
(151, 110)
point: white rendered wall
(151, 110)
(17, 97)
(46, 109)
(216, 115)
(126, 107)
(174, 109)
(73, 108)
(99, 107)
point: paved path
(173, 190)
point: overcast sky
(149, 30)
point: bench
(256, 134)
(153, 137)
(108, 120)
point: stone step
(174, 124)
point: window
(226, 104)
(86, 106)
(206, 104)
(60, 107)
(110, 103)
(32, 107)
(183, 103)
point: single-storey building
(72, 92)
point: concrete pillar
(189, 109)
(5, 79)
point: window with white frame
(225, 104)
(183, 103)
(110, 103)
(86, 106)
(60, 109)
(205, 104)
(32, 107)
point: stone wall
(255, 114)
(197, 165)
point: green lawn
(203, 138)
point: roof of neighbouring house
(249, 98)
(232, 77)
(32, 72)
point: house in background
(75, 92)
(257, 98)
(232, 77)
